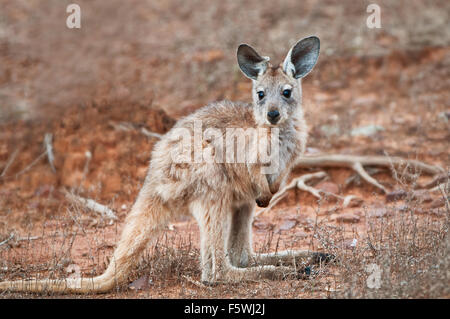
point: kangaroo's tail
(144, 222)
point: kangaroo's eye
(287, 93)
(260, 95)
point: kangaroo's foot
(293, 258)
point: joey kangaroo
(220, 195)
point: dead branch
(31, 164)
(357, 164)
(300, 183)
(150, 134)
(49, 149)
(103, 210)
(18, 239)
(10, 161)
(437, 180)
(353, 162)
(441, 188)
(125, 126)
(7, 239)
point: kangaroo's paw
(263, 201)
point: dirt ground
(138, 66)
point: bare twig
(10, 161)
(49, 149)
(125, 126)
(357, 167)
(440, 188)
(31, 164)
(18, 239)
(150, 134)
(7, 239)
(300, 183)
(105, 211)
(347, 200)
(27, 238)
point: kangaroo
(221, 195)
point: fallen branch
(357, 164)
(437, 180)
(103, 210)
(300, 183)
(353, 162)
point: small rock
(364, 100)
(422, 196)
(140, 284)
(350, 243)
(312, 150)
(330, 130)
(347, 218)
(262, 226)
(368, 130)
(402, 208)
(288, 224)
(379, 212)
(444, 116)
(396, 195)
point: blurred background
(181, 54)
(136, 66)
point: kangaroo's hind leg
(241, 251)
(215, 240)
(240, 240)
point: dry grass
(411, 251)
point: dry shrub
(408, 250)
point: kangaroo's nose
(273, 116)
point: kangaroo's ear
(250, 62)
(302, 57)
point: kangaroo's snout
(273, 116)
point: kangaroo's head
(277, 90)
